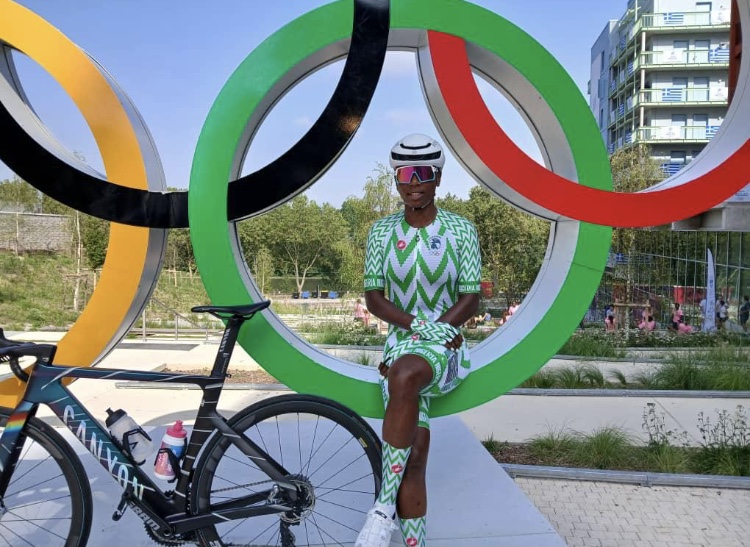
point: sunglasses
(424, 173)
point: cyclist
(422, 275)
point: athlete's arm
(386, 310)
(464, 309)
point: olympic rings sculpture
(450, 39)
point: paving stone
(616, 515)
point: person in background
(609, 323)
(677, 316)
(722, 314)
(361, 314)
(684, 328)
(647, 324)
(745, 312)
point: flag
(709, 320)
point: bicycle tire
(35, 476)
(258, 421)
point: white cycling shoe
(377, 530)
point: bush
(725, 445)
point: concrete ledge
(626, 477)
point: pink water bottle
(174, 442)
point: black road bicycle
(288, 470)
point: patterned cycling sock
(394, 464)
(414, 531)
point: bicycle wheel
(48, 500)
(332, 453)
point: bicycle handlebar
(11, 351)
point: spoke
(45, 519)
(27, 488)
(339, 471)
(321, 446)
(299, 443)
(17, 507)
(330, 489)
(263, 532)
(343, 506)
(41, 528)
(19, 477)
(319, 529)
(262, 440)
(326, 533)
(312, 445)
(278, 436)
(332, 455)
(16, 535)
(334, 520)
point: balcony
(685, 21)
(684, 96)
(677, 134)
(684, 58)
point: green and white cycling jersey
(422, 269)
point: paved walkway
(589, 514)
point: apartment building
(659, 76)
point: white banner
(709, 320)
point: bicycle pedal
(120, 511)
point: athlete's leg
(408, 375)
(412, 496)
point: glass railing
(718, 17)
(685, 57)
(672, 133)
(676, 95)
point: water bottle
(128, 433)
(173, 442)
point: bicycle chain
(241, 486)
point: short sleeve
(374, 258)
(470, 266)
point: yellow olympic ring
(119, 288)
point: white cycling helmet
(417, 149)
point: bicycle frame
(162, 511)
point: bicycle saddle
(245, 311)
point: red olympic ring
(558, 194)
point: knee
(404, 380)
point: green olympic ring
(221, 147)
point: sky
(173, 57)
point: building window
(700, 89)
(680, 44)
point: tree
(262, 268)
(633, 169)
(378, 200)
(512, 242)
(18, 196)
(94, 235)
(179, 254)
(301, 236)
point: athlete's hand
(383, 368)
(456, 343)
(434, 331)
